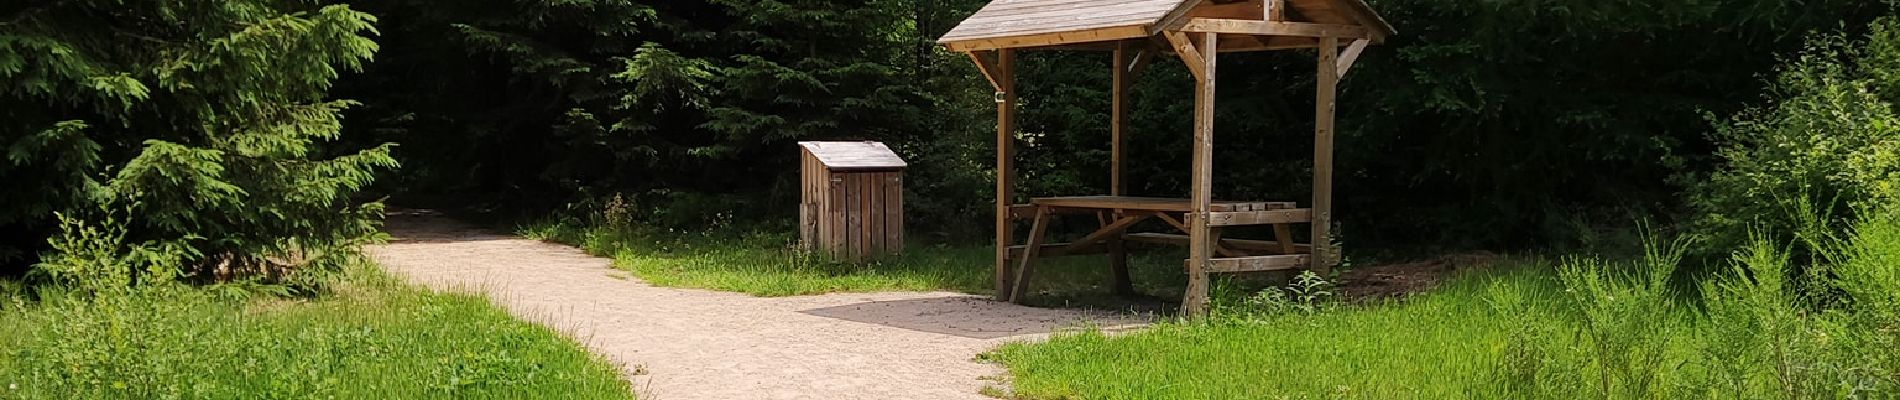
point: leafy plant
(96, 259)
(1626, 328)
(1829, 138)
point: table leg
(1119, 282)
(1284, 234)
(1020, 289)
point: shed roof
(1029, 23)
(854, 155)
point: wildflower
(13, 386)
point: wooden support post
(1119, 280)
(1200, 236)
(1005, 77)
(1118, 114)
(1324, 255)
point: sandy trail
(697, 344)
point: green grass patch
(1440, 345)
(766, 264)
(1775, 326)
(371, 338)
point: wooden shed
(1134, 33)
(853, 200)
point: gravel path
(697, 344)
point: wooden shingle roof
(1008, 18)
(854, 156)
(1034, 23)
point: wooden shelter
(1197, 31)
(853, 200)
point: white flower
(13, 386)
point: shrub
(1752, 332)
(203, 119)
(96, 259)
(1829, 136)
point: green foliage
(96, 259)
(1830, 137)
(204, 120)
(1498, 123)
(377, 339)
(1623, 339)
(678, 106)
(1493, 123)
(1308, 293)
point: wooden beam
(1276, 10)
(1114, 229)
(1244, 244)
(1323, 251)
(1272, 217)
(1351, 55)
(1223, 251)
(1027, 211)
(1274, 28)
(1259, 263)
(1271, 43)
(1141, 60)
(1177, 224)
(1174, 19)
(1051, 250)
(1200, 234)
(1283, 236)
(986, 64)
(1249, 9)
(1183, 46)
(1049, 39)
(1005, 189)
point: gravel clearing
(698, 344)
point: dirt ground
(696, 344)
(1397, 280)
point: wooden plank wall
(851, 216)
(812, 194)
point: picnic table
(1118, 214)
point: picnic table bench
(1117, 214)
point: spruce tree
(201, 124)
(691, 107)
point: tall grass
(371, 338)
(1592, 329)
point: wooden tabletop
(1162, 204)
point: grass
(765, 264)
(1578, 328)
(1436, 346)
(372, 338)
